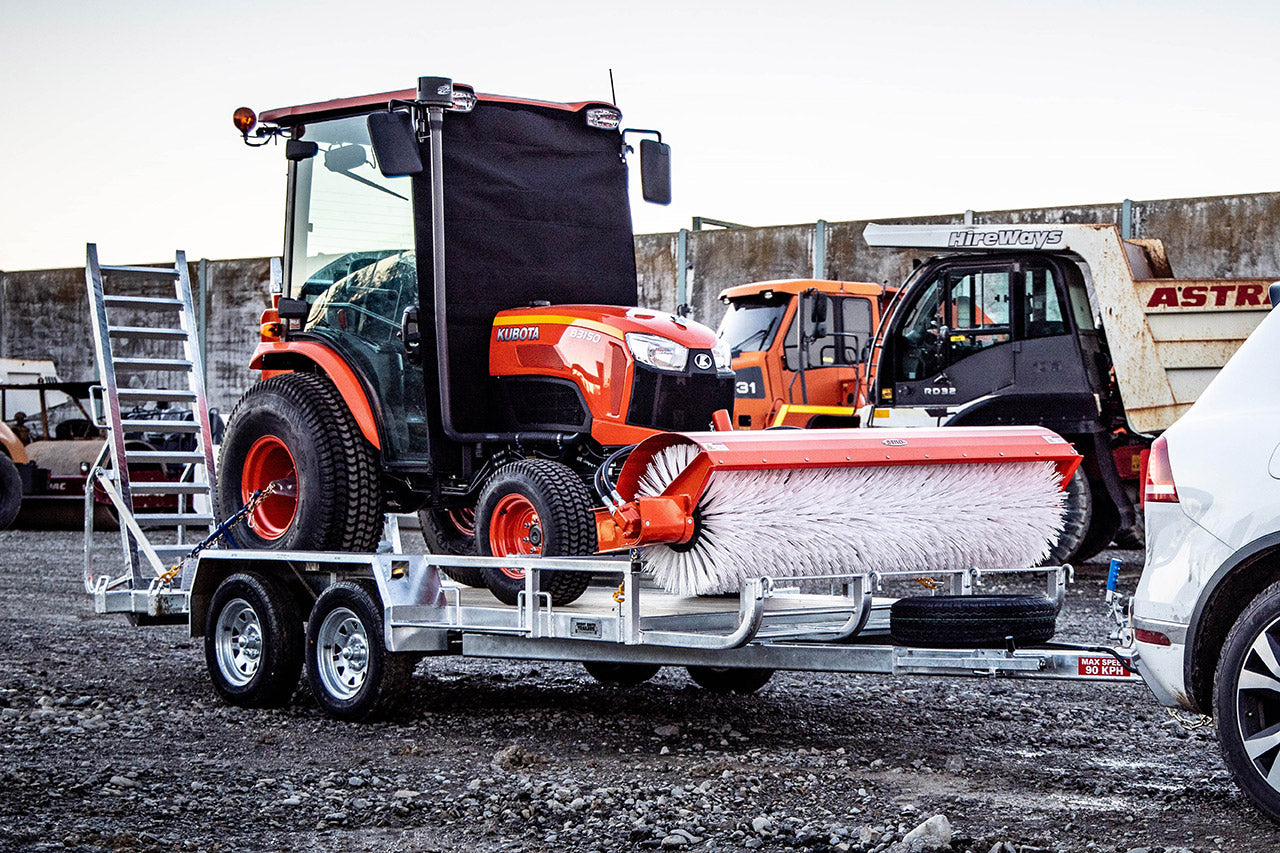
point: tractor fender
(285, 356)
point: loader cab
(800, 349)
(990, 339)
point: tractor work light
(656, 351)
(245, 120)
(464, 98)
(604, 118)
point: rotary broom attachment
(709, 510)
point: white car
(1206, 615)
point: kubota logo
(1200, 296)
(518, 333)
(702, 361)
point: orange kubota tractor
(799, 348)
(459, 331)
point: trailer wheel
(725, 679)
(1077, 512)
(535, 507)
(625, 674)
(1246, 701)
(294, 429)
(351, 673)
(983, 621)
(452, 531)
(10, 491)
(253, 641)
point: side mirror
(344, 158)
(655, 171)
(819, 312)
(1273, 293)
(819, 330)
(395, 144)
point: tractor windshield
(347, 215)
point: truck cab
(800, 350)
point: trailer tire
(981, 621)
(553, 504)
(1245, 713)
(253, 641)
(296, 426)
(727, 679)
(351, 673)
(1077, 512)
(623, 674)
(442, 530)
(10, 491)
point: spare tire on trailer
(295, 429)
(980, 621)
(540, 508)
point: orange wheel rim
(269, 461)
(514, 528)
(464, 520)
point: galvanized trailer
(371, 616)
(360, 621)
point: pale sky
(119, 131)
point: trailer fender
(285, 356)
(209, 574)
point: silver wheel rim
(239, 642)
(1258, 704)
(342, 653)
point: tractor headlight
(655, 351)
(721, 353)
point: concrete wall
(1226, 236)
(44, 313)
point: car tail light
(1155, 638)
(1160, 487)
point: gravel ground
(112, 739)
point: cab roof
(795, 285)
(288, 116)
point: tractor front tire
(295, 430)
(535, 508)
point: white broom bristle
(821, 521)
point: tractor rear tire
(10, 491)
(295, 428)
(535, 507)
(979, 621)
(442, 530)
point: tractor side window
(346, 214)
(1042, 307)
(368, 303)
